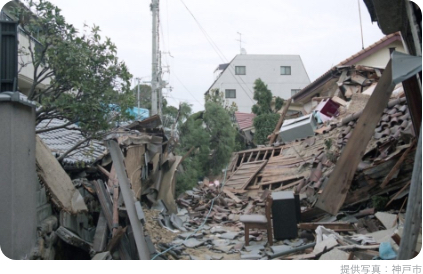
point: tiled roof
(61, 140)
(244, 120)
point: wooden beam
(129, 199)
(336, 189)
(413, 217)
(251, 155)
(231, 195)
(107, 209)
(413, 93)
(113, 183)
(115, 199)
(280, 122)
(257, 156)
(134, 161)
(397, 165)
(100, 236)
(398, 193)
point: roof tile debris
(244, 120)
(204, 223)
(61, 140)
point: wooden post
(341, 178)
(413, 216)
(280, 122)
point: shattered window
(240, 70)
(285, 70)
(230, 93)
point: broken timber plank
(341, 178)
(129, 198)
(241, 181)
(134, 161)
(280, 122)
(397, 165)
(107, 209)
(413, 217)
(231, 195)
(113, 183)
(397, 194)
(57, 181)
(71, 238)
(100, 236)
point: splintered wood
(244, 174)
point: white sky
(323, 33)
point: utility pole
(155, 60)
(138, 97)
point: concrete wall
(266, 67)
(18, 180)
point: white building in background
(284, 75)
(25, 66)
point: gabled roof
(364, 53)
(244, 120)
(227, 65)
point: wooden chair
(259, 221)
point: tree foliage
(145, 96)
(266, 119)
(86, 79)
(211, 138)
(218, 97)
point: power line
(177, 78)
(219, 52)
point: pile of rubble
(121, 205)
(98, 211)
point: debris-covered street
(95, 168)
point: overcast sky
(323, 33)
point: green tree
(266, 119)
(219, 98)
(221, 136)
(209, 137)
(145, 96)
(86, 78)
